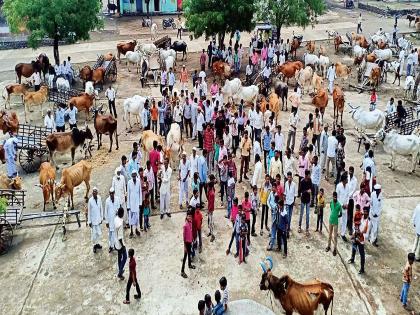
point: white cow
(146, 49)
(386, 38)
(153, 31)
(231, 88)
(62, 84)
(169, 63)
(364, 119)
(311, 60)
(247, 93)
(358, 51)
(408, 85)
(405, 145)
(173, 144)
(324, 62)
(134, 105)
(89, 88)
(135, 58)
(304, 78)
(164, 53)
(383, 54)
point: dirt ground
(44, 275)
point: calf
(146, 141)
(9, 122)
(338, 100)
(36, 98)
(14, 89)
(7, 183)
(83, 102)
(123, 47)
(105, 124)
(310, 46)
(46, 182)
(67, 141)
(342, 71)
(320, 100)
(317, 82)
(72, 177)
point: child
(132, 279)
(195, 183)
(211, 196)
(146, 212)
(358, 215)
(265, 191)
(198, 218)
(236, 229)
(201, 307)
(225, 294)
(195, 199)
(209, 305)
(246, 207)
(218, 308)
(282, 225)
(407, 277)
(255, 207)
(230, 193)
(319, 210)
(243, 235)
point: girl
(146, 212)
(373, 100)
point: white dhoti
(183, 190)
(416, 246)
(194, 133)
(96, 233)
(133, 218)
(330, 86)
(111, 238)
(373, 229)
(343, 222)
(164, 202)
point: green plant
(3, 205)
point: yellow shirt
(245, 147)
(321, 201)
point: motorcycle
(167, 23)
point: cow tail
(332, 304)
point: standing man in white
(95, 217)
(343, 195)
(165, 189)
(112, 204)
(416, 223)
(183, 175)
(331, 75)
(134, 201)
(120, 189)
(376, 201)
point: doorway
(157, 5)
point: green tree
(289, 12)
(68, 20)
(209, 17)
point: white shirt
(257, 148)
(119, 187)
(267, 116)
(290, 192)
(266, 72)
(275, 167)
(227, 140)
(293, 120)
(200, 121)
(166, 179)
(134, 197)
(343, 193)
(248, 70)
(391, 108)
(171, 78)
(110, 94)
(416, 219)
(352, 185)
(119, 231)
(178, 113)
(95, 211)
(194, 201)
(376, 205)
(209, 111)
(279, 141)
(258, 120)
(289, 165)
(111, 209)
(36, 78)
(57, 69)
(49, 121)
(332, 146)
(331, 74)
(184, 168)
(202, 75)
(72, 115)
(193, 164)
(258, 173)
(251, 117)
(368, 162)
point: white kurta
(111, 209)
(134, 198)
(257, 178)
(374, 215)
(118, 183)
(95, 217)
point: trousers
(187, 253)
(164, 202)
(332, 234)
(291, 139)
(183, 190)
(302, 206)
(122, 258)
(129, 283)
(361, 248)
(111, 238)
(343, 222)
(404, 293)
(331, 160)
(289, 209)
(264, 216)
(373, 229)
(282, 238)
(273, 235)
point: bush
(3, 205)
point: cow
(134, 105)
(72, 177)
(164, 53)
(63, 142)
(47, 182)
(304, 77)
(169, 63)
(221, 69)
(317, 82)
(383, 54)
(13, 89)
(231, 87)
(303, 298)
(338, 40)
(10, 183)
(85, 74)
(294, 45)
(311, 60)
(288, 69)
(83, 102)
(274, 105)
(324, 62)
(375, 76)
(411, 18)
(174, 144)
(247, 93)
(331, 34)
(133, 57)
(358, 51)
(179, 46)
(35, 98)
(338, 100)
(98, 76)
(124, 47)
(281, 89)
(147, 49)
(105, 124)
(147, 138)
(371, 57)
(342, 71)
(9, 122)
(63, 84)
(320, 100)
(310, 46)
(363, 119)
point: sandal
(126, 302)
(299, 230)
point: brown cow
(146, 141)
(7, 183)
(123, 47)
(310, 46)
(98, 76)
(342, 71)
(338, 100)
(371, 57)
(317, 82)
(105, 124)
(83, 102)
(9, 122)
(337, 42)
(358, 60)
(303, 298)
(72, 177)
(13, 89)
(46, 182)
(375, 76)
(36, 98)
(320, 100)
(85, 74)
(67, 141)
(289, 69)
(274, 103)
(221, 69)
(295, 44)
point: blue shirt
(218, 309)
(272, 200)
(316, 174)
(282, 222)
(59, 117)
(133, 166)
(202, 169)
(266, 141)
(162, 111)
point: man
(245, 147)
(59, 119)
(71, 113)
(258, 123)
(171, 80)
(110, 95)
(208, 110)
(179, 27)
(149, 174)
(251, 120)
(359, 242)
(119, 242)
(376, 201)
(305, 188)
(291, 136)
(203, 60)
(317, 129)
(188, 239)
(95, 217)
(154, 158)
(266, 74)
(220, 123)
(194, 116)
(145, 116)
(332, 144)
(223, 152)
(209, 145)
(200, 122)
(343, 196)
(369, 162)
(165, 189)
(36, 80)
(416, 224)
(183, 175)
(289, 164)
(353, 186)
(248, 72)
(193, 161)
(112, 204)
(275, 165)
(10, 150)
(120, 190)
(331, 75)
(227, 139)
(290, 194)
(410, 63)
(178, 110)
(163, 80)
(134, 202)
(49, 120)
(279, 142)
(316, 180)
(202, 173)
(209, 54)
(187, 113)
(70, 70)
(183, 78)
(335, 213)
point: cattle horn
(350, 106)
(263, 266)
(270, 261)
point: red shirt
(210, 199)
(154, 158)
(132, 267)
(246, 206)
(208, 140)
(203, 58)
(234, 213)
(198, 218)
(280, 190)
(188, 232)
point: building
(128, 7)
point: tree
(289, 12)
(58, 19)
(210, 17)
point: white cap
(95, 189)
(118, 169)
(184, 153)
(111, 190)
(133, 172)
(194, 149)
(377, 186)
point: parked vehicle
(167, 23)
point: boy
(187, 235)
(265, 191)
(225, 295)
(218, 308)
(255, 206)
(201, 307)
(358, 239)
(246, 207)
(209, 305)
(282, 223)
(244, 234)
(198, 218)
(335, 213)
(146, 212)
(132, 278)
(211, 196)
(407, 277)
(319, 210)
(195, 199)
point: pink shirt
(188, 237)
(214, 89)
(362, 200)
(303, 165)
(254, 58)
(246, 206)
(264, 53)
